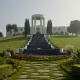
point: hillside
(62, 41)
(12, 42)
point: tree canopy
(74, 26)
(10, 27)
(14, 27)
(49, 27)
(1, 34)
(27, 27)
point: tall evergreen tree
(27, 27)
(49, 27)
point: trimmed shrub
(5, 70)
(29, 57)
(66, 65)
(76, 70)
(2, 61)
(11, 51)
(15, 63)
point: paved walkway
(41, 71)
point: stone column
(34, 25)
(41, 21)
(32, 22)
(32, 28)
(44, 26)
(44, 22)
(41, 30)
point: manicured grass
(12, 43)
(9, 37)
(61, 41)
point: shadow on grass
(14, 39)
(64, 36)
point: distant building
(38, 28)
(59, 29)
(19, 32)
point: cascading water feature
(39, 45)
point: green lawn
(9, 37)
(61, 41)
(12, 42)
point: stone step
(43, 70)
(41, 76)
(27, 65)
(23, 73)
(35, 73)
(23, 77)
(56, 69)
(58, 74)
(30, 69)
(60, 78)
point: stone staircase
(39, 45)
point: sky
(61, 12)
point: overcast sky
(61, 12)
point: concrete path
(41, 71)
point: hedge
(5, 70)
(39, 58)
(76, 70)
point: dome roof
(37, 15)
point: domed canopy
(37, 16)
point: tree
(14, 27)
(74, 26)
(1, 35)
(8, 27)
(26, 27)
(49, 27)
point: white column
(44, 22)
(41, 29)
(32, 28)
(44, 26)
(32, 22)
(41, 21)
(35, 25)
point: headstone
(20, 50)
(17, 50)
(61, 50)
(7, 54)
